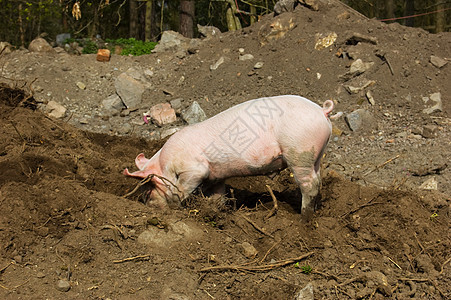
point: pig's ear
(141, 161)
(138, 174)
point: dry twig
(369, 203)
(131, 258)
(256, 226)
(261, 268)
(381, 165)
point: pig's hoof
(307, 214)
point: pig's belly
(235, 168)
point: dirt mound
(67, 232)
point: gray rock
(177, 105)
(174, 41)
(216, 65)
(124, 129)
(130, 90)
(208, 31)
(437, 61)
(361, 119)
(5, 48)
(437, 98)
(40, 274)
(358, 67)
(40, 45)
(55, 110)
(284, 6)
(429, 131)
(113, 104)
(306, 293)
(63, 285)
(194, 114)
(61, 39)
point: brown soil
(374, 235)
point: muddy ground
(67, 232)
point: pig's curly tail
(328, 106)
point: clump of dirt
(375, 234)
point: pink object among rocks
(162, 114)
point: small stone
(168, 132)
(63, 285)
(125, 129)
(429, 131)
(216, 65)
(162, 114)
(113, 103)
(359, 85)
(336, 131)
(249, 250)
(194, 114)
(55, 110)
(103, 55)
(437, 98)
(176, 104)
(437, 61)
(258, 65)
(306, 293)
(369, 96)
(430, 184)
(241, 50)
(81, 85)
(40, 275)
(149, 73)
(358, 67)
(246, 57)
(18, 259)
(328, 244)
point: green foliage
(210, 221)
(90, 47)
(307, 269)
(132, 46)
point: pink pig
(257, 137)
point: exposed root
(276, 205)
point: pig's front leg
(305, 168)
(215, 189)
(188, 180)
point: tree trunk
(440, 17)
(253, 11)
(410, 11)
(148, 26)
(233, 23)
(133, 19)
(389, 9)
(187, 10)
